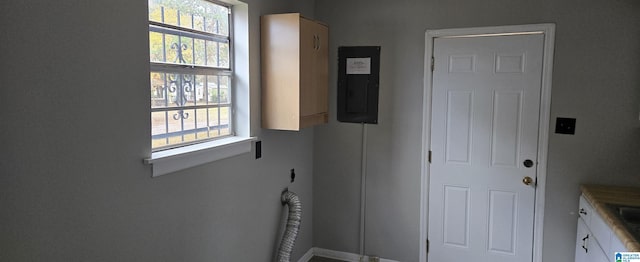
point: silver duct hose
(293, 224)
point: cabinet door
(595, 253)
(322, 69)
(308, 43)
(617, 245)
(587, 248)
(601, 232)
(585, 210)
(314, 71)
(280, 35)
(582, 238)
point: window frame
(193, 71)
(243, 111)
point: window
(200, 83)
(191, 71)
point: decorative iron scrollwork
(180, 114)
(182, 85)
(179, 47)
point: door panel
(506, 128)
(502, 221)
(485, 120)
(459, 115)
(456, 216)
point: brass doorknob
(527, 180)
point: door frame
(548, 30)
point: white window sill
(172, 160)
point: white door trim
(543, 135)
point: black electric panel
(358, 84)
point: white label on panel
(502, 222)
(359, 66)
(456, 216)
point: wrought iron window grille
(191, 92)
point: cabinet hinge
(433, 64)
(429, 157)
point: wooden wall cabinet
(295, 72)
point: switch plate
(565, 126)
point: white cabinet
(601, 232)
(581, 241)
(587, 248)
(585, 210)
(595, 241)
(617, 245)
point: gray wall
(596, 79)
(74, 104)
(74, 108)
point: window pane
(186, 20)
(212, 90)
(158, 123)
(214, 122)
(225, 123)
(172, 90)
(159, 142)
(193, 14)
(217, 54)
(188, 125)
(218, 90)
(224, 55)
(170, 48)
(158, 90)
(198, 23)
(200, 97)
(201, 120)
(199, 56)
(188, 120)
(155, 12)
(156, 46)
(174, 121)
(170, 16)
(225, 93)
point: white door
(484, 142)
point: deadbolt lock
(528, 163)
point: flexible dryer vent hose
(293, 224)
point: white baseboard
(345, 256)
(351, 257)
(307, 256)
